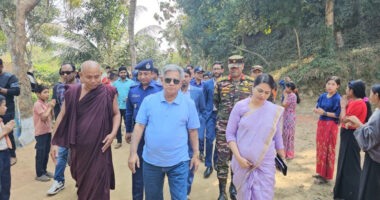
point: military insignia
(147, 66)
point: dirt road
(298, 185)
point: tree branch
(4, 26)
(251, 52)
(42, 22)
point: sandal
(320, 181)
(13, 161)
(316, 176)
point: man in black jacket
(9, 87)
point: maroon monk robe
(83, 128)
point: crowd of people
(171, 121)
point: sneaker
(118, 145)
(49, 174)
(56, 187)
(42, 178)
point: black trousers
(118, 135)
(42, 153)
(348, 173)
(6, 119)
(369, 188)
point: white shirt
(3, 142)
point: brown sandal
(13, 161)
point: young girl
(368, 138)
(328, 108)
(291, 98)
(42, 114)
(5, 159)
(348, 174)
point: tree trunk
(298, 44)
(131, 31)
(17, 44)
(329, 13)
(339, 39)
(328, 41)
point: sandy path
(298, 185)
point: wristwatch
(325, 113)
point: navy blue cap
(198, 69)
(145, 65)
(135, 73)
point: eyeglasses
(66, 72)
(169, 80)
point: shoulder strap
(269, 139)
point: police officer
(228, 91)
(144, 87)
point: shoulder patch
(249, 78)
(223, 78)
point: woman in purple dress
(254, 136)
(291, 99)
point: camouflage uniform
(226, 94)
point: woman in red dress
(348, 174)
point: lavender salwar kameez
(251, 130)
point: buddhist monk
(87, 125)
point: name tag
(135, 95)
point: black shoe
(222, 190)
(202, 157)
(233, 191)
(207, 172)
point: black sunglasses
(169, 80)
(66, 72)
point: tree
(131, 31)
(12, 22)
(96, 32)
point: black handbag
(280, 165)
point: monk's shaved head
(90, 74)
(90, 65)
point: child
(328, 108)
(42, 114)
(5, 159)
(291, 98)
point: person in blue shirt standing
(170, 121)
(196, 94)
(137, 93)
(208, 88)
(197, 81)
(123, 84)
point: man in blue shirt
(208, 88)
(196, 94)
(123, 84)
(170, 120)
(197, 81)
(137, 93)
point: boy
(5, 159)
(42, 115)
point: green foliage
(97, 34)
(46, 66)
(148, 48)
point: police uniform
(135, 97)
(226, 94)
